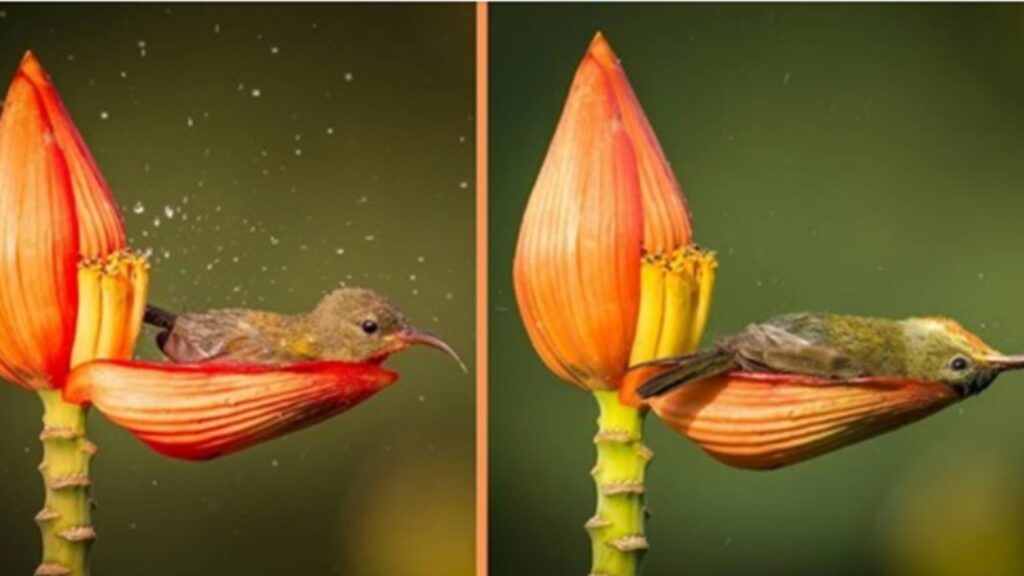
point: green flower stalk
(617, 527)
(606, 277)
(66, 518)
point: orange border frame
(481, 288)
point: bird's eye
(369, 326)
(959, 363)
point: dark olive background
(857, 158)
(278, 135)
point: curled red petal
(201, 411)
(100, 226)
(767, 421)
(38, 244)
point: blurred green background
(865, 159)
(267, 153)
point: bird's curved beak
(1003, 363)
(411, 335)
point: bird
(842, 348)
(354, 325)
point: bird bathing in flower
(348, 325)
(802, 385)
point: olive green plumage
(350, 325)
(841, 348)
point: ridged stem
(65, 520)
(617, 528)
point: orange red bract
(38, 246)
(765, 421)
(58, 216)
(577, 267)
(605, 198)
(198, 412)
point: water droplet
(349, 77)
(370, 238)
(463, 184)
(298, 151)
(169, 212)
(104, 115)
(138, 208)
(156, 222)
(339, 251)
(274, 463)
(330, 131)
(190, 122)
(274, 49)
(274, 240)
(256, 92)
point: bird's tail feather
(159, 317)
(688, 369)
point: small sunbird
(349, 325)
(803, 385)
(834, 347)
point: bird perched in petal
(246, 376)
(804, 384)
(349, 325)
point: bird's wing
(797, 344)
(686, 369)
(772, 347)
(224, 336)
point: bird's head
(941, 350)
(360, 325)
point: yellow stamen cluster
(675, 299)
(111, 303)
